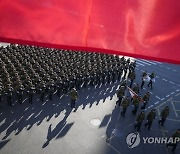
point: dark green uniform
(124, 105)
(136, 101)
(139, 120)
(164, 114)
(175, 136)
(150, 117)
(120, 94)
(74, 96)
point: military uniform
(136, 102)
(120, 94)
(150, 117)
(139, 120)
(174, 145)
(145, 99)
(132, 77)
(125, 105)
(164, 114)
(74, 96)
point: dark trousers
(119, 101)
(144, 105)
(150, 83)
(131, 83)
(161, 122)
(149, 124)
(123, 112)
(142, 84)
(135, 110)
(174, 145)
(138, 126)
(73, 103)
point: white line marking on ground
(158, 97)
(158, 62)
(150, 62)
(140, 64)
(150, 92)
(168, 68)
(143, 62)
(162, 99)
(160, 105)
(177, 90)
(150, 106)
(173, 120)
(169, 99)
(164, 79)
(157, 76)
(177, 94)
(174, 108)
(167, 95)
(175, 70)
(161, 66)
(172, 93)
(156, 102)
(171, 82)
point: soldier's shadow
(25, 116)
(60, 130)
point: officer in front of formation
(74, 96)
(150, 117)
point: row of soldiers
(29, 69)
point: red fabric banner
(147, 29)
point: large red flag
(147, 29)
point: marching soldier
(136, 101)
(125, 105)
(120, 94)
(150, 117)
(164, 114)
(139, 120)
(74, 96)
(132, 77)
(152, 76)
(145, 100)
(136, 89)
(176, 139)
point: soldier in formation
(164, 115)
(150, 117)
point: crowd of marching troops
(26, 70)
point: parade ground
(95, 126)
